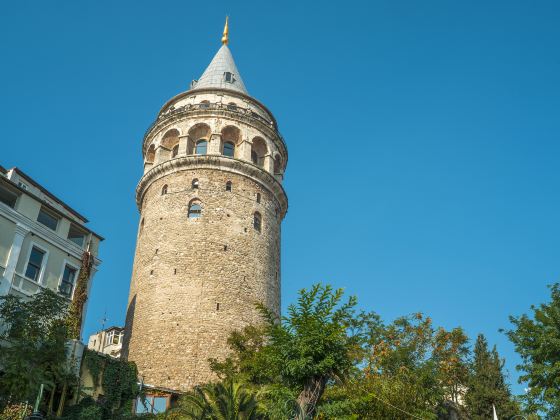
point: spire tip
(225, 37)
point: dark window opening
(229, 149)
(195, 211)
(67, 283)
(194, 184)
(228, 186)
(35, 263)
(164, 190)
(48, 219)
(228, 76)
(7, 197)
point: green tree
(487, 385)
(219, 401)
(32, 343)
(409, 369)
(300, 353)
(537, 340)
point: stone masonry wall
(197, 280)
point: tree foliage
(220, 401)
(33, 342)
(537, 340)
(487, 386)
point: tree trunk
(310, 395)
(62, 400)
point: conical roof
(215, 75)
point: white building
(42, 239)
(108, 341)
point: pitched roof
(214, 75)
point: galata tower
(211, 204)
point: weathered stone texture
(196, 280)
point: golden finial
(226, 31)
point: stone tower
(211, 204)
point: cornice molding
(24, 225)
(216, 162)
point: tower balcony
(215, 109)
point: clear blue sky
(423, 137)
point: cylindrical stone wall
(195, 280)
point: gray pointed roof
(214, 75)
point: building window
(35, 263)
(232, 106)
(76, 235)
(67, 283)
(257, 221)
(204, 105)
(109, 338)
(258, 197)
(228, 186)
(175, 151)
(229, 149)
(151, 404)
(164, 190)
(195, 210)
(228, 76)
(48, 219)
(201, 147)
(8, 197)
(254, 157)
(194, 184)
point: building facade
(42, 239)
(108, 341)
(211, 204)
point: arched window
(277, 165)
(151, 154)
(257, 221)
(201, 147)
(175, 151)
(232, 106)
(229, 149)
(258, 151)
(195, 210)
(204, 105)
(228, 186)
(258, 197)
(164, 190)
(194, 184)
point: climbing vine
(117, 378)
(74, 318)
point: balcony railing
(30, 287)
(215, 106)
(24, 285)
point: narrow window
(204, 105)
(48, 219)
(228, 76)
(229, 149)
(194, 184)
(76, 235)
(258, 197)
(201, 147)
(164, 190)
(254, 157)
(217, 306)
(232, 106)
(228, 186)
(257, 221)
(67, 283)
(8, 197)
(195, 210)
(175, 151)
(34, 264)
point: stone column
(215, 144)
(183, 143)
(13, 257)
